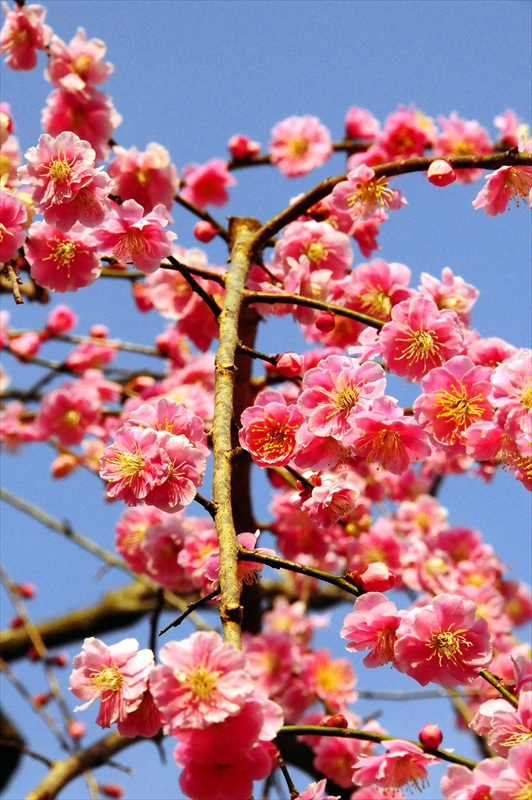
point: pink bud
(99, 332)
(142, 296)
(15, 623)
(61, 659)
(440, 173)
(376, 577)
(26, 590)
(61, 320)
(77, 729)
(112, 790)
(63, 464)
(27, 344)
(324, 321)
(336, 721)
(430, 736)
(41, 699)
(204, 231)
(241, 147)
(289, 365)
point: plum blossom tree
(354, 472)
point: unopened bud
(99, 331)
(336, 721)
(430, 736)
(376, 577)
(142, 296)
(204, 231)
(26, 590)
(440, 173)
(241, 147)
(63, 465)
(41, 699)
(289, 365)
(77, 729)
(60, 660)
(324, 321)
(112, 790)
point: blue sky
(189, 75)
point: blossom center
(132, 243)
(202, 682)
(108, 680)
(298, 147)
(59, 169)
(447, 645)
(130, 465)
(71, 417)
(346, 399)
(377, 302)
(370, 196)
(63, 254)
(457, 406)
(142, 176)
(274, 438)
(81, 64)
(527, 398)
(316, 252)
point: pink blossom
(508, 124)
(461, 783)
(247, 570)
(452, 293)
(462, 138)
(299, 145)
(443, 642)
(66, 186)
(510, 726)
(331, 680)
(441, 173)
(419, 338)
(489, 351)
(186, 466)
(453, 397)
(203, 681)
(22, 34)
(10, 159)
(77, 66)
(117, 675)
(62, 262)
(515, 782)
(241, 147)
(365, 233)
(332, 497)
(403, 764)
(376, 287)
(69, 412)
(334, 391)
(134, 464)
(406, 134)
(26, 345)
(271, 659)
(133, 236)
(175, 418)
(145, 720)
(363, 195)
(316, 791)
(61, 319)
(334, 757)
(375, 577)
(374, 793)
(149, 178)
(325, 247)
(90, 355)
(162, 543)
(372, 625)
(12, 232)
(289, 365)
(207, 183)
(384, 435)
(91, 116)
(130, 531)
(7, 125)
(360, 124)
(269, 430)
(503, 185)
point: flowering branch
(501, 688)
(185, 272)
(298, 300)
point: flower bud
(60, 660)
(142, 296)
(63, 464)
(241, 147)
(440, 173)
(26, 590)
(289, 365)
(204, 231)
(99, 331)
(336, 721)
(324, 321)
(61, 320)
(77, 729)
(27, 344)
(40, 700)
(430, 736)
(376, 577)
(112, 790)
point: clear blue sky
(191, 74)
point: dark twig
(190, 608)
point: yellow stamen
(370, 196)
(455, 405)
(108, 680)
(447, 645)
(298, 147)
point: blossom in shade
(12, 233)
(149, 178)
(453, 397)
(207, 183)
(269, 428)
(443, 642)
(334, 391)
(385, 436)
(10, 159)
(130, 531)
(7, 125)
(134, 464)
(133, 236)
(62, 262)
(299, 145)
(116, 675)
(503, 185)
(362, 195)
(330, 680)
(325, 247)
(316, 791)
(66, 186)
(403, 764)
(79, 65)
(202, 681)
(419, 337)
(22, 34)
(460, 782)
(372, 625)
(91, 116)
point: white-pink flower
(299, 144)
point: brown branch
(63, 772)
(296, 299)
(15, 282)
(195, 286)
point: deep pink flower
(332, 497)
(419, 337)
(299, 145)
(331, 680)
(334, 391)
(207, 183)
(406, 134)
(133, 236)
(13, 217)
(460, 782)
(79, 65)
(145, 720)
(175, 418)
(91, 116)
(61, 319)
(62, 262)
(403, 764)
(360, 124)
(162, 543)
(69, 411)
(269, 430)
(22, 34)
(203, 681)
(149, 177)
(363, 195)
(503, 185)
(443, 642)
(454, 397)
(241, 147)
(462, 138)
(376, 287)
(130, 531)
(134, 464)
(372, 625)
(384, 435)
(186, 466)
(117, 675)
